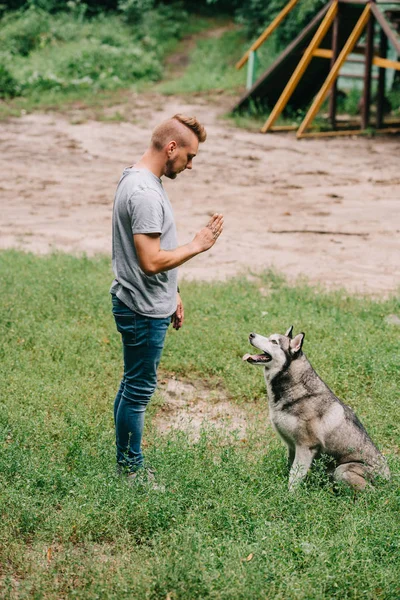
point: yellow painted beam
(344, 132)
(334, 72)
(314, 134)
(284, 128)
(302, 66)
(323, 53)
(386, 63)
(377, 60)
(388, 130)
(267, 32)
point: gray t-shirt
(142, 206)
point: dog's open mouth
(257, 358)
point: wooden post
(301, 67)
(335, 52)
(265, 35)
(334, 72)
(380, 99)
(392, 37)
(369, 53)
(251, 69)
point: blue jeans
(143, 342)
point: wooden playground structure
(308, 69)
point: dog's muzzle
(257, 358)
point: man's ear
(296, 344)
(171, 146)
(289, 332)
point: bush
(134, 10)
(165, 24)
(100, 62)
(23, 32)
(96, 66)
(8, 85)
(53, 6)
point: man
(145, 257)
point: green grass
(212, 64)
(226, 527)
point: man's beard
(169, 169)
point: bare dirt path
(327, 209)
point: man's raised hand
(207, 236)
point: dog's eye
(274, 342)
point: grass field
(225, 527)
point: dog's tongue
(251, 356)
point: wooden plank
(356, 60)
(388, 130)
(284, 128)
(369, 51)
(380, 95)
(330, 133)
(323, 53)
(333, 58)
(356, 76)
(392, 37)
(386, 63)
(344, 132)
(377, 60)
(267, 32)
(302, 66)
(251, 70)
(334, 72)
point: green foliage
(351, 101)
(166, 24)
(211, 66)
(68, 51)
(105, 65)
(225, 526)
(23, 32)
(8, 85)
(394, 101)
(54, 6)
(133, 10)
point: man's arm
(153, 259)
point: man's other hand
(179, 315)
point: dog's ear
(296, 344)
(289, 332)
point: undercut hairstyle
(176, 129)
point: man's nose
(189, 165)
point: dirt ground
(327, 209)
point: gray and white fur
(309, 418)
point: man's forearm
(153, 259)
(165, 260)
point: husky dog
(308, 416)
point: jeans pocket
(126, 325)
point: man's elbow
(150, 271)
(149, 268)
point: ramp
(267, 89)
